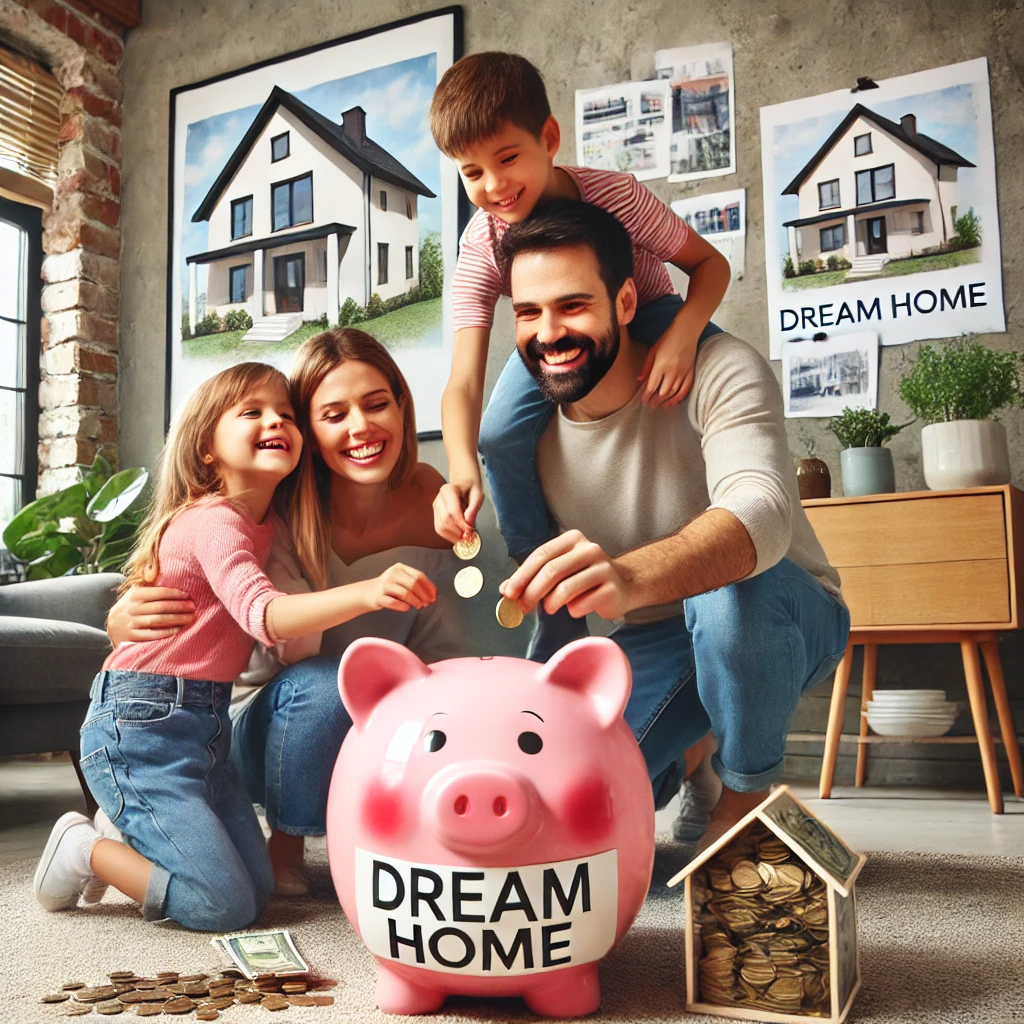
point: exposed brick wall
(81, 240)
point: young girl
(156, 738)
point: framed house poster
(306, 192)
(880, 210)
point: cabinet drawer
(955, 528)
(928, 593)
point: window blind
(29, 119)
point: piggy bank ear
(370, 669)
(599, 670)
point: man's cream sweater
(641, 474)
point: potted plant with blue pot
(865, 463)
(957, 389)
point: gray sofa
(52, 643)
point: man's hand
(455, 509)
(149, 613)
(573, 572)
(668, 369)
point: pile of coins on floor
(761, 928)
(173, 993)
(470, 580)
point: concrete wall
(784, 49)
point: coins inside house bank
(468, 548)
(469, 581)
(508, 613)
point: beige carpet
(941, 942)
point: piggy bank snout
(478, 806)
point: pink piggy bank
(490, 824)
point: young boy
(490, 114)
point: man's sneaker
(96, 889)
(64, 870)
(698, 796)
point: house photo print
(304, 198)
(880, 210)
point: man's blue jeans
(155, 755)
(736, 664)
(285, 742)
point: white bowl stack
(910, 713)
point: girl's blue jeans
(286, 740)
(155, 753)
(735, 663)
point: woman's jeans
(516, 417)
(155, 752)
(285, 743)
(735, 664)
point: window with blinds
(29, 120)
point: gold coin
(148, 1010)
(110, 1008)
(75, 1010)
(469, 581)
(56, 997)
(508, 613)
(469, 547)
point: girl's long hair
(182, 477)
(308, 513)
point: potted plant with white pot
(957, 389)
(865, 463)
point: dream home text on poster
(305, 214)
(874, 190)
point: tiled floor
(34, 794)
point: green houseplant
(958, 388)
(85, 528)
(865, 464)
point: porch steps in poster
(867, 266)
(274, 328)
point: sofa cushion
(48, 661)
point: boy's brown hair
(480, 93)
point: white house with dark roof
(305, 214)
(875, 189)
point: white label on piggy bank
(489, 922)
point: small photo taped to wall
(821, 378)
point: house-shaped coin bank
(771, 919)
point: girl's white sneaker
(64, 870)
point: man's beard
(570, 386)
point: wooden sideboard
(928, 567)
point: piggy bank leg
(573, 992)
(396, 994)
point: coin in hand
(508, 613)
(469, 581)
(469, 547)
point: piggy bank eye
(530, 743)
(434, 741)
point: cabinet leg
(998, 681)
(836, 713)
(979, 710)
(867, 689)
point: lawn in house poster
(307, 192)
(880, 210)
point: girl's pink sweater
(215, 553)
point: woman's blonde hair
(183, 477)
(308, 517)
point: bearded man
(682, 525)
